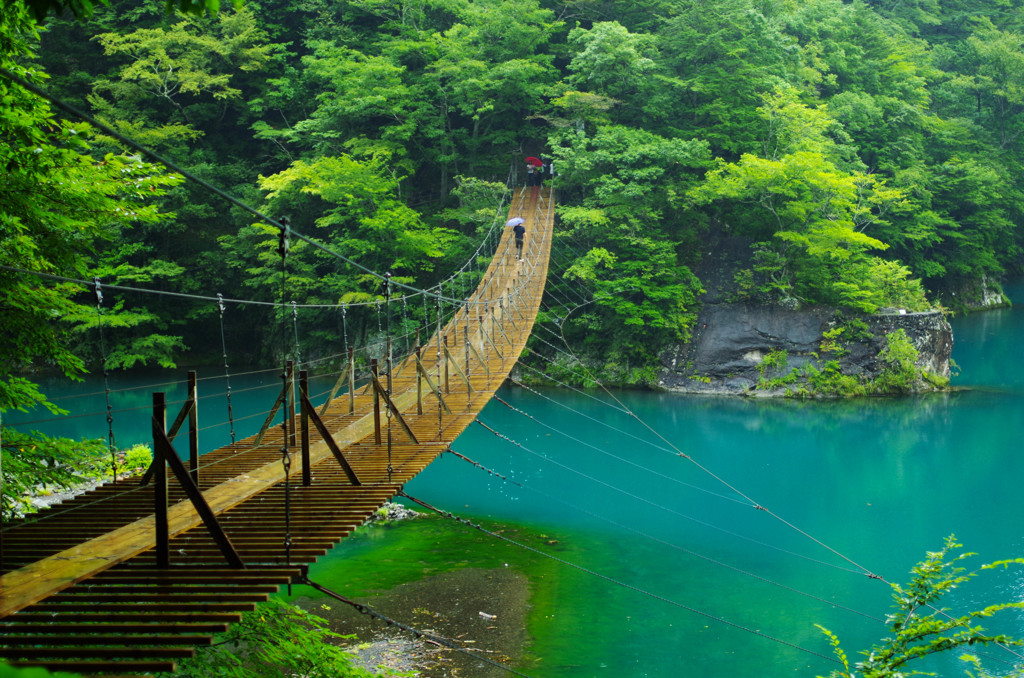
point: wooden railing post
(351, 380)
(376, 404)
(447, 360)
(307, 478)
(465, 345)
(289, 402)
(163, 546)
(419, 381)
(193, 429)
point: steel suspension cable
(227, 372)
(630, 462)
(653, 504)
(640, 533)
(111, 443)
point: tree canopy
(869, 152)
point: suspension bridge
(132, 576)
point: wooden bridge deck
(81, 589)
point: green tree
(611, 61)
(350, 207)
(919, 629)
(818, 213)
(58, 203)
(629, 222)
(722, 56)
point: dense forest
(869, 152)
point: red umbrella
(531, 160)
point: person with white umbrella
(519, 230)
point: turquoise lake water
(706, 585)
(685, 577)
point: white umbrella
(514, 221)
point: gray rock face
(731, 342)
(732, 339)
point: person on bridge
(519, 231)
(534, 173)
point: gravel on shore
(482, 611)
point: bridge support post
(419, 381)
(188, 411)
(376, 404)
(289, 403)
(163, 542)
(465, 345)
(307, 478)
(351, 380)
(447, 360)
(193, 429)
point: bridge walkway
(80, 586)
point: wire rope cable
(643, 534)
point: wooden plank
(120, 639)
(11, 632)
(94, 667)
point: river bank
(453, 607)
(471, 591)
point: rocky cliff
(732, 342)
(742, 347)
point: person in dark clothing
(519, 231)
(534, 172)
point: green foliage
(901, 373)
(832, 342)
(190, 67)
(771, 371)
(630, 263)
(828, 380)
(36, 464)
(819, 211)
(11, 672)
(135, 459)
(773, 361)
(609, 60)
(918, 628)
(83, 9)
(276, 639)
